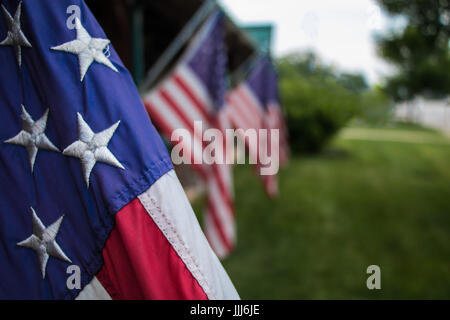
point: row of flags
(254, 104)
(196, 90)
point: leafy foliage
(420, 50)
(318, 100)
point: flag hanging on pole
(90, 205)
(254, 104)
(192, 98)
(274, 114)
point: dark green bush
(317, 105)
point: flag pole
(241, 72)
(181, 39)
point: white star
(43, 241)
(92, 147)
(87, 48)
(32, 136)
(15, 37)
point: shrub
(317, 105)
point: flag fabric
(254, 104)
(275, 117)
(88, 190)
(195, 91)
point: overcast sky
(341, 32)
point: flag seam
(140, 184)
(154, 171)
(166, 226)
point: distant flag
(275, 118)
(88, 187)
(254, 104)
(195, 91)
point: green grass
(359, 203)
(395, 135)
(393, 125)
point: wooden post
(137, 21)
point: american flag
(88, 186)
(254, 104)
(275, 118)
(194, 91)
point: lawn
(363, 201)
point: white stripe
(237, 121)
(226, 176)
(252, 112)
(224, 121)
(213, 236)
(159, 106)
(195, 86)
(223, 211)
(249, 119)
(183, 102)
(168, 206)
(274, 116)
(174, 122)
(185, 107)
(254, 102)
(93, 291)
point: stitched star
(32, 136)
(43, 241)
(15, 38)
(87, 49)
(92, 147)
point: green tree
(420, 51)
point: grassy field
(366, 200)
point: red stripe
(183, 86)
(232, 116)
(213, 212)
(189, 123)
(174, 106)
(249, 123)
(159, 121)
(269, 182)
(223, 189)
(140, 263)
(255, 110)
(213, 171)
(266, 182)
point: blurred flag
(275, 118)
(90, 205)
(254, 104)
(195, 91)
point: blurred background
(364, 85)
